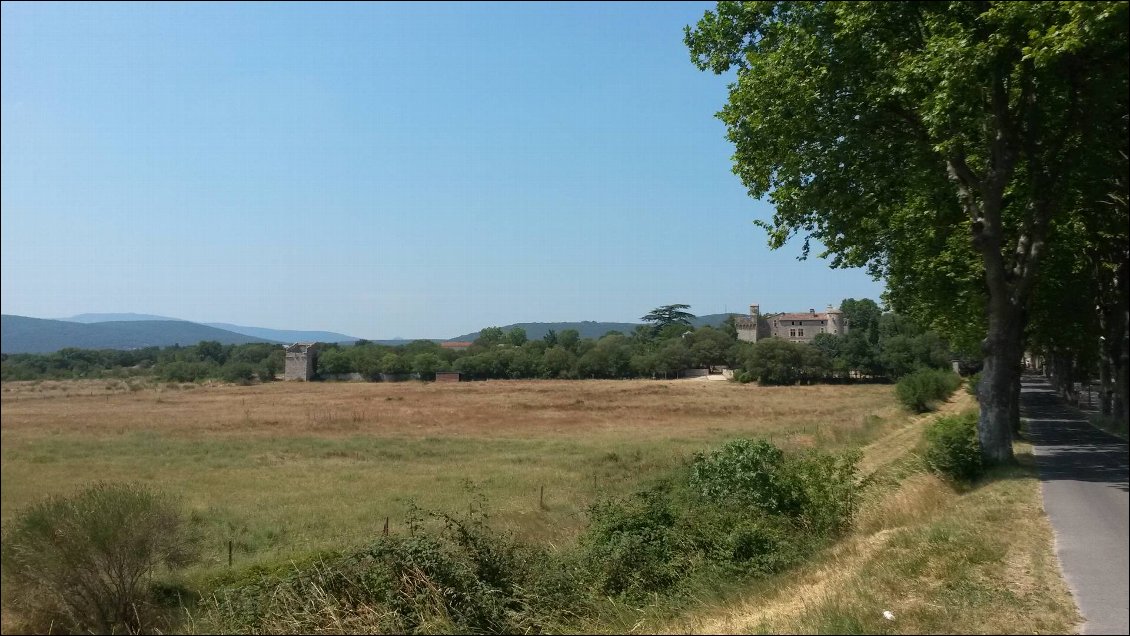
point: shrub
(952, 448)
(237, 373)
(747, 473)
(815, 490)
(922, 390)
(746, 509)
(80, 562)
(630, 543)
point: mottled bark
(1003, 351)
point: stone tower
(748, 325)
(836, 323)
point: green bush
(631, 545)
(746, 509)
(814, 490)
(923, 389)
(237, 372)
(80, 563)
(952, 448)
(747, 473)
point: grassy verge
(1118, 428)
(939, 559)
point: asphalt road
(1085, 480)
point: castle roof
(802, 316)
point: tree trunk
(1106, 393)
(999, 381)
(1014, 415)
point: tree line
(878, 346)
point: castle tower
(747, 325)
(836, 323)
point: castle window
(792, 333)
(800, 333)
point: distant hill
(286, 335)
(588, 328)
(276, 335)
(712, 320)
(89, 318)
(20, 334)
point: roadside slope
(939, 560)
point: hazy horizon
(377, 170)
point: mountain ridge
(21, 334)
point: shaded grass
(1109, 424)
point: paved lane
(1085, 480)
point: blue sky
(382, 170)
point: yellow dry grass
(416, 409)
(288, 467)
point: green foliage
(237, 372)
(779, 362)
(80, 562)
(669, 315)
(746, 509)
(813, 490)
(921, 390)
(516, 336)
(945, 146)
(952, 448)
(746, 473)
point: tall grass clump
(467, 578)
(82, 563)
(921, 390)
(952, 448)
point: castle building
(794, 327)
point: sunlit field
(282, 468)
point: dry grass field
(286, 467)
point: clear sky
(382, 170)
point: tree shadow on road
(1067, 446)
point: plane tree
(889, 131)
